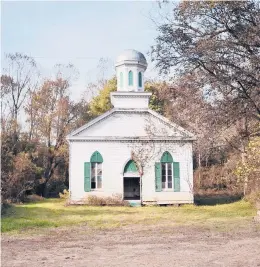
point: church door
(131, 181)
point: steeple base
(130, 100)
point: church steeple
(130, 68)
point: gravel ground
(150, 246)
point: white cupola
(130, 67)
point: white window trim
(166, 180)
(96, 189)
(121, 78)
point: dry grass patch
(53, 213)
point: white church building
(131, 151)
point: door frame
(133, 177)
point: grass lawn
(53, 213)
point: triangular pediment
(119, 123)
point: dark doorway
(131, 188)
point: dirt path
(134, 246)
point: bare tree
(55, 115)
(219, 43)
(19, 78)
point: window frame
(167, 188)
(96, 176)
(121, 77)
(95, 159)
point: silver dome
(131, 55)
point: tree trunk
(199, 170)
(44, 189)
(245, 141)
(67, 176)
(15, 132)
(243, 159)
(141, 185)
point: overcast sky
(79, 33)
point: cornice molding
(131, 96)
(131, 63)
(131, 139)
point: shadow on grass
(92, 211)
(22, 217)
(215, 199)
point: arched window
(167, 174)
(166, 165)
(130, 78)
(96, 161)
(140, 82)
(121, 80)
(166, 157)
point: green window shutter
(158, 177)
(140, 79)
(176, 174)
(87, 176)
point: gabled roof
(89, 124)
(130, 124)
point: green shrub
(248, 170)
(4, 207)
